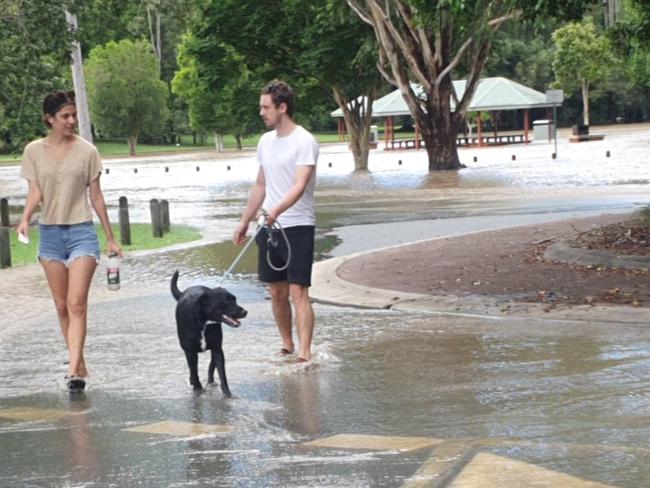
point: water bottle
(113, 271)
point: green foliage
(235, 46)
(222, 96)
(125, 95)
(523, 51)
(34, 53)
(581, 56)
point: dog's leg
(218, 360)
(193, 364)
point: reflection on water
(564, 397)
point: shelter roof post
(526, 124)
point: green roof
(491, 94)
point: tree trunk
(132, 141)
(238, 140)
(439, 127)
(218, 141)
(358, 118)
(585, 102)
(440, 143)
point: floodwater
(568, 398)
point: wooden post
(125, 225)
(4, 212)
(164, 210)
(479, 128)
(5, 248)
(156, 218)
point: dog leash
(261, 223)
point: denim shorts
(65, 243)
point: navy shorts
(65, 243)
(301, 240)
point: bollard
(198, 168)
(329, 165)
(475, 159)
(5, 248)
(514, 158)
(4, 212)
(228, 167)
(399, 162)
(125, 225)
(607, 154)
(107, 170)
(135, 170)
(166, 169)
(553, 156)
(164, 213)
(156, 218)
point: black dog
(199, 313)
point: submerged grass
(141, 238)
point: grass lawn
(141, 237)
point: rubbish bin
(543, 130)
(374, 134)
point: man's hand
(240, 234)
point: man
(284, 188)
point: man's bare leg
(282, 312)
(304, 318)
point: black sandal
(75, 383)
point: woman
(62, 171)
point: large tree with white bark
(426, 42)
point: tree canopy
(33, 62)
(125, 94)
(581, 58)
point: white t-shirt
(278, 158)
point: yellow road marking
(32, 413)
(375, 442)
(181, 429)
(487, 470)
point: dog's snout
(244, 313)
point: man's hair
(55, 101)
(280, 92)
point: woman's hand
(23, 228)
(113, 247)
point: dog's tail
(174, 286)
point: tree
(426, 41)
(125, 95)
(339, 53)
(225, 105)
(328, 58)
(581, 58)
(33, 62)
(161, 21)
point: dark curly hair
(55, 101)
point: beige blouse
(64, 183)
